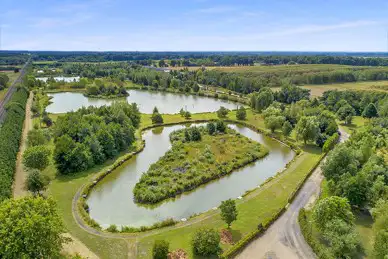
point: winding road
(284, 239)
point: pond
(67, 79)
(146, 100)
(111, 201)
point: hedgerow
(10, 134)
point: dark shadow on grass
(311, 148)
(236, 235)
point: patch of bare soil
(178, 254)
(226, 237)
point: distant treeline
(205, 58)
(12, 59)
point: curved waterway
(146, 100)
(111, 201)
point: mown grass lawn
(257, 207)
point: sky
(194, 25)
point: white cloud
(54, 22)
(217, 9)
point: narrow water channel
(111, 201)
(146, 100)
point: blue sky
(196, 25)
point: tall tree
(30, 228)
(307, 128)
(228, 211)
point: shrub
(160, 249)
(241, 113)
(206, 242)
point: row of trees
(91, 135)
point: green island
(198, 155)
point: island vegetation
(198, 155)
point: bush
(241, 113)
(160, 249)
(206, 242)
(330, 143)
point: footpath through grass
(257, 207)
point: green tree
(37, 137)
(342, 238)
(222, 112)
(156, 117)
(36, 157)
(345, 111)
(206, 242)
(370, 111)
(211, 128)
(307, 128)
(228, 211)
(287, 128)
(340, 161)
(30, 228)
(274, 122)
(36, 182)
(263, 99)
(187, 115)
(241, 113)
(220, 126)
(160, 249)
(330, 208)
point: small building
(40, 71)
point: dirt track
(20, 173)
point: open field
(317, 90)
(257, 207)
(255, 70)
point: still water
(146, 100)
(111, 201)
